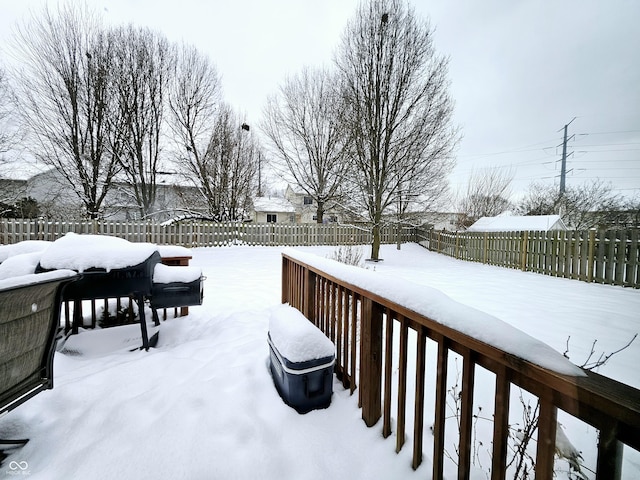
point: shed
(515, 223)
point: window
(308, 200)
(271, 218)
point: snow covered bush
(349, 254)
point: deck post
(371, 361)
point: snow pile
(27, 246)
(295, 337)
(32, 278)
(173, 251)
(82, 252)
(437, 306)
(21, 264)
(168, 274)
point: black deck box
(175, 286)
(301, 360)
(176, 294)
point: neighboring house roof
(272, 204)
(296, 189)
(518, 223)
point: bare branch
(604, 358)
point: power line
(609, 144)
(610, 133)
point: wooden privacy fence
(605, 256)
(201, 234)
(363, 324)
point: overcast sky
(519, 70)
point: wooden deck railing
(362, 324)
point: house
(306, 208)
(273, 210)
(56, 199)
(436, 220)
(514, 223)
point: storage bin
(176, 286)
(301, 361)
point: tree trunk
(320, 212)
(375, 245)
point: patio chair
(29, 322)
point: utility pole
(563, 170)
(259, 174)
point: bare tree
(144, 62)
(7, 130)
(64, 95)
(396, 109)
(631, 208)
(303, 129)
(487, 195)
(193, 100)
(225, 171)
(591, 204)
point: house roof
(511, 223)
(297, 189)
(272, 204)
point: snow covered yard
(203, 405)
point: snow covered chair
(301, 360)
(29, 321)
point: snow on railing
(375, 321)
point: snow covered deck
(203, 405)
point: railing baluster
(339, 365)
(388, 355)
(500, 425)
(546, 437)
(345, 339)
(441, 406)
(609, 464)
(323, 304)
(418, 422)
(354, 342)
(466, 414)
(333, 289)
(402, 383)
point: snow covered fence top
(437, 306)
(296, 338)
